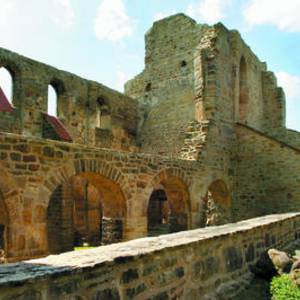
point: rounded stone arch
(175, 185)
(217, 203)
(107, 180)
(55, 96)
(15, 72)
(64, 173)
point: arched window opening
(217, 204)
(103, 120)
(52, 101)
(243, 91)
(6, 83)
(158, 213)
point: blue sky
(103, 40)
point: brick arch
(63, 174)
(15, 72)
(58, 85)
(11, 66)
(108, 182)
(175, 184)
(164, 175)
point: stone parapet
(194, 264)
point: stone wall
(165, 89)
(268, 175)
(79, 103)
(196, 73)
(198, 264)
(288, 136)
(33, 169)
(198, 82)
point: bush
(282, 288)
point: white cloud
(210, 11)
(31, 27)
(122, 78)
(290, 84)
(285, 15)
(64, 13)
(112, 22)
(36, 13)
(31, 22)
(162, 15)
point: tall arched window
(103, 120)
(52, 101)
(6, 83)
(243, 91)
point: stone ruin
(197, 139)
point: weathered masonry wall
(236, 85)
(288, 136)
(80, 105)
(165, 89)
(195, 73)
(38, 176)
(268, 175)
(194, 264)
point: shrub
(282, 288)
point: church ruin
(197, 139)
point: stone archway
(91, 196)
(168, 204)
(217, 204)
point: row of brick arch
(104, 221)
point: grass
(282, 288)
(83, 248)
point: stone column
(178, 222)
(67, 228)
(112, 230)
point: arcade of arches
(91, 209)
(93, 205)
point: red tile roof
(59, 128)
(4, 103)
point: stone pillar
(112, 230)
(67, 228)
(178, 222)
